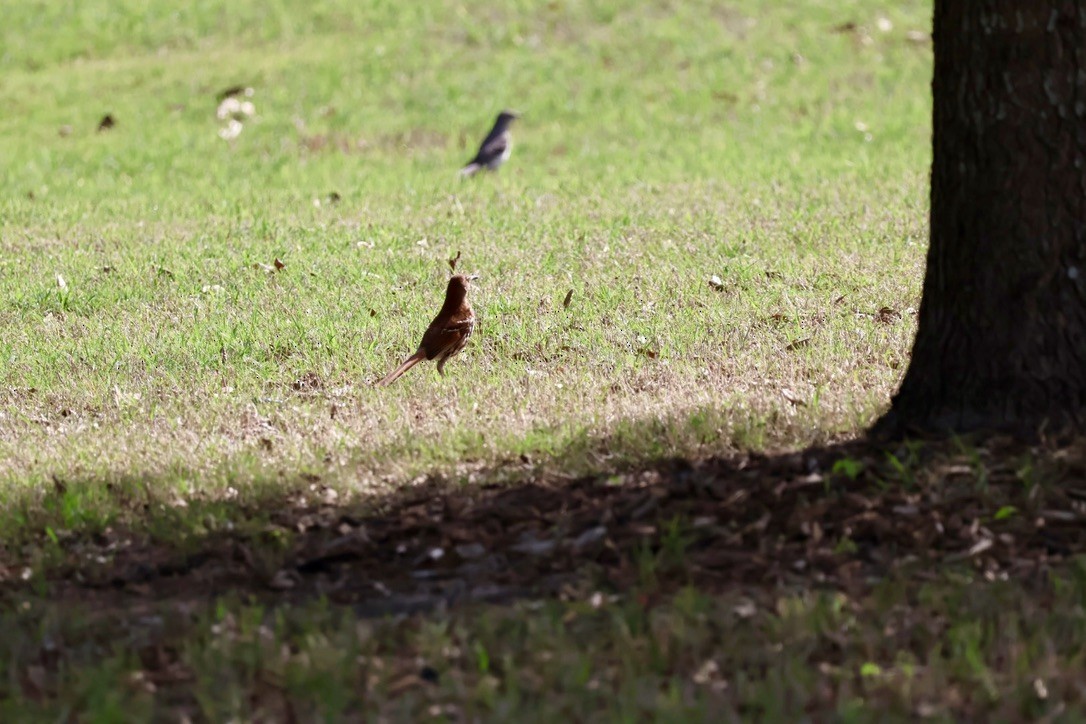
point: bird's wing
(494, 146)
(438, 339)
(462, 324)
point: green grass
(661, 144)
(951, 649)
(156, 378)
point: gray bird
(495, 148)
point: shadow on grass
(922, 579)
(841, 517)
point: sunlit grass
(661, 144)
(159, 375)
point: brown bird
(447, 334)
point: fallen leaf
(568, 299)
(282, 581)
(589, 537)
(980, 546)
(106, 123)
(886, 315)
(716, 283)
(470, 550)
(847, 27)
(34, 682)
(403, 684)
(793, 397)
(798, 344)
(231, 131)
(745, 608)
(279, 266)
(227, 109)
(308, 381)
(535, 547)
(454, 260)
(234, 90)
(232, 108)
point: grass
(661, 145)
(956, 648)
(162, 381)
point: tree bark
(1001, 341)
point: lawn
(777, 150)
(707, 247)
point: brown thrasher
(447, 334)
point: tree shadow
(840, 516)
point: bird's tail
(470, 169)
(407, 364)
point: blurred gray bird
(495, 148)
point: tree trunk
(1001, 342)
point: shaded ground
(920, 580)
(841, 518)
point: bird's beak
(472, 277)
